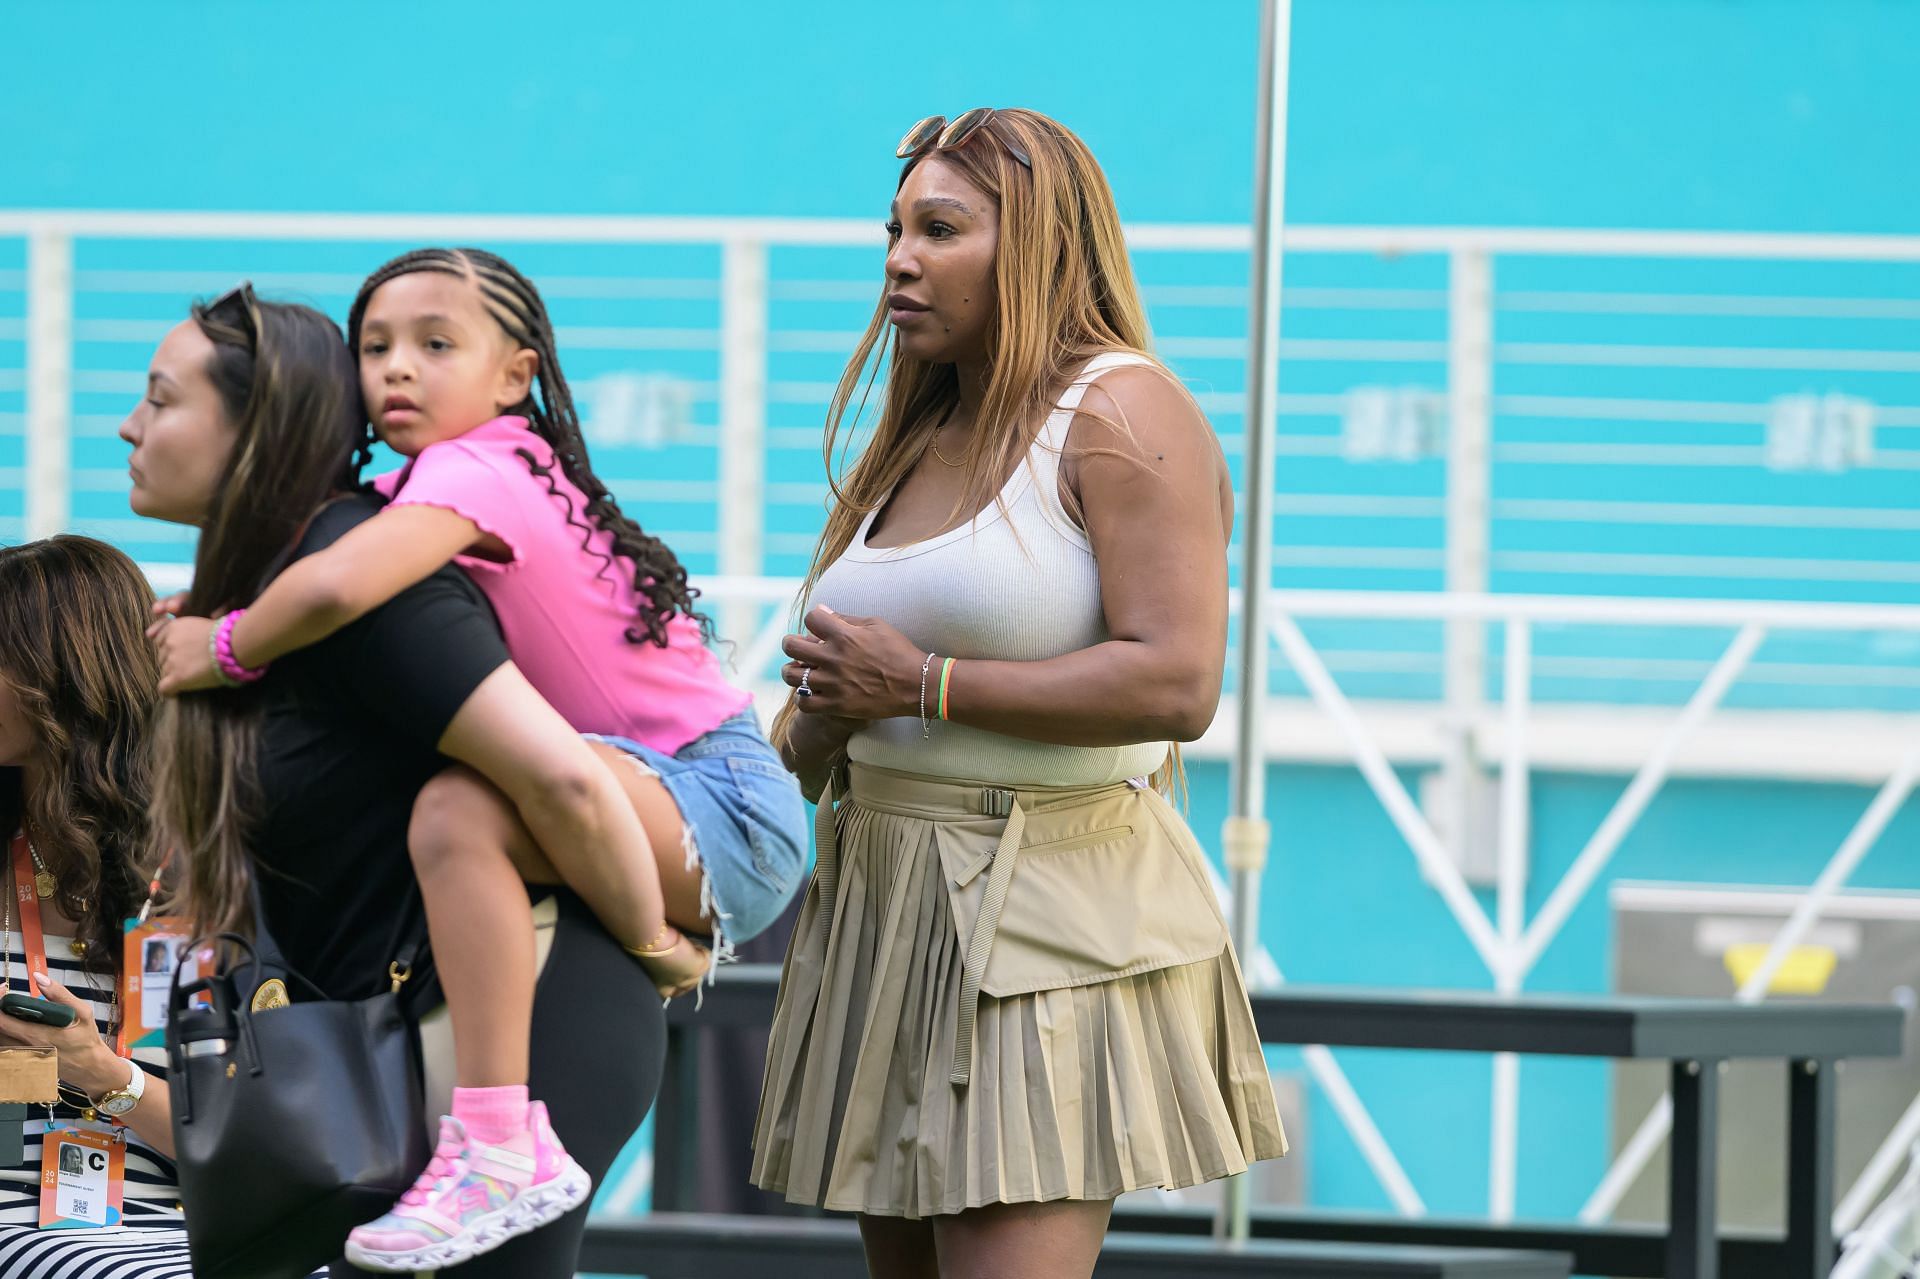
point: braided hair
(510, 298)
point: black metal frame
(707, 1245)
(1695, 1036)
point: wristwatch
(122, 1100)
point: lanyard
(32, 937)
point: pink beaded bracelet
(232, 674)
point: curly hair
(75, 656)
(659, 579)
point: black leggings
(599, 1043)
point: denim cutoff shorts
(746, 825)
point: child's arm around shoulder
(320, 593)
(369, 565)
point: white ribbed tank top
(1016, 583)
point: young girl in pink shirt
(459, 373)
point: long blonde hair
(1065, 293)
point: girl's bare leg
(463, 837)
(680, 969)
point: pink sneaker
(473, 1198)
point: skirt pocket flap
(1096, 895)
(966, 851)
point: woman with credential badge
(77, 687)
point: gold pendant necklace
(942, 457)
(933, 443)
(44, 884)
(44, 887)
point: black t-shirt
(349, 735)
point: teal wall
(1654, 113)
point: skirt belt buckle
(996, 801)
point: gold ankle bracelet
(653, 949)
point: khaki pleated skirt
(1091, 1036)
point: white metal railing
(1508, 944)
(1884, 1242)
(1606, 400)
(1659, 356)
(1511, 948)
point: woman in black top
(306, 781)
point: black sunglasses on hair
(237, 308)
(936, 134)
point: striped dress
(151, 1243)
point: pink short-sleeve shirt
(564, 608)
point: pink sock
(492, 1115)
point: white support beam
(49, 381)
(1503, 1139)
(1883, 1244)
(1360, 1126)
(751, 658)
(1405, 814)
(1515, 830)
(1263, 973)
(1515, 834)
(1886, 1161)
(743, 420)
(1468, 530)
(1598, 610)
(1634, 800)
(1221, 237)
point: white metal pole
(49, 381)
(1468, 507)
(1503, 1137)
(1244, 839)
(1879, 1171)
(1435, 862)
(1876, 1248)
(1634, 800)
(743, 424)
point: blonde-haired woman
(1009, 997)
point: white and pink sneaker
(472, 1198)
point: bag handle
(409, 947)
(229, 1020)
(409, 954)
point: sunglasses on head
(236, 308)
(935, 134)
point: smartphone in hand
(42, 1012)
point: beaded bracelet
(225, 664)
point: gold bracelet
(653, 947)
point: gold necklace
(44, 884)
(933, 443)
(44, 887)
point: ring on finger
(806, 673)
